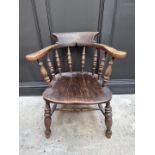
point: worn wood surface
(77, 88)
(74, 37)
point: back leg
(108, 119)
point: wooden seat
(70, 88)
(77, 88)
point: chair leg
(108, 119)
(47, 119)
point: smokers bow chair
(76, 87)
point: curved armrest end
(41, 53)
(114, 52)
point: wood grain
(77, 88)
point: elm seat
(77, 88)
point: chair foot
(108, 133)
(47, 133)
(47, 120)
(108, 119)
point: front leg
(47, 119)
(108, 119)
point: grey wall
(114, 19)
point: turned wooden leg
(47, 119)
(108, 119)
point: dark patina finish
(77, 88)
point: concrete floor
(77, 133)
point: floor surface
(77, 133)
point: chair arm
(112, 51)
(41, 53)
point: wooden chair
(77, 87)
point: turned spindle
(94, 62)
(51, 68)
(83, 58)
(69, 59)
(101, 67)
(58, 61)
(44, 73)
(108, 72)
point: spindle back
(69, 40)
